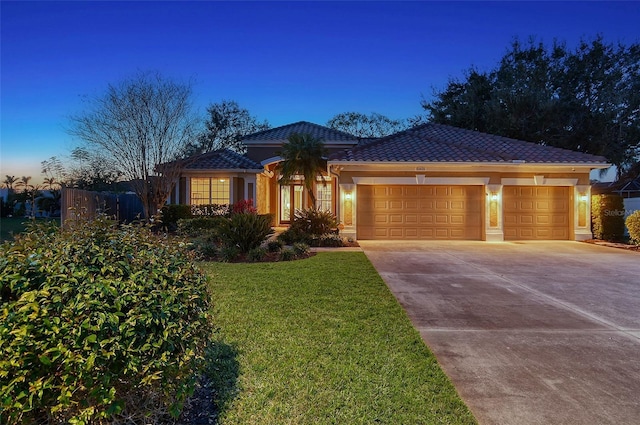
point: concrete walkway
(529, 333)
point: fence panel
(77, 203)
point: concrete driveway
(529, 332)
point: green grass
(323, 341)
(10, 226)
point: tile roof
(222, 159)
(280, 134)
(442, 143)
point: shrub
(633, 226)
(244, 206)
(256, 254)
(313, 221)
(287, 254)
(172, 213)
(211, 210)
(97, 322)
(328, 239)
(300, 249)
(245, 231)
(275, 245)
(291, 236)
(607, 217)
(228, 253)
(200, 226)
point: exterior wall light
(347, 196)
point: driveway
(529, 332)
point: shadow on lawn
(217, 386)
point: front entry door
(290, 201)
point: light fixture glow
(347, 196)
(583, 198)
(494, 197)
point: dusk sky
(285, 62)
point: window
(209, 190)
(323, 198)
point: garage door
(419, 212)
(535, 212)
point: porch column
(582, 212)
(250, 189)
(494, 230)
(347, 210)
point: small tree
(143, 124)
(303, 155)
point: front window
(209, 190)
(323, 198)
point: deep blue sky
(285, 62)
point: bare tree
(143, 124)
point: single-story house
(429, 182)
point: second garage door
(419, 212)
(536, 212)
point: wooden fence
(76, 203)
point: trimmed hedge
(607, 217)
(98, 323)
(633, 226)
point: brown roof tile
(280, 134)
(222, 159)
(442, 143)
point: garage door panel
(536, 212)
(420, 212)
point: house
(429, 182)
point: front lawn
(323, 341)
(10, 226)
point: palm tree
(24, 183)
(9, 181)
(303, 155)
(49, 182)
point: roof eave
(495, 165)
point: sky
(283, 61)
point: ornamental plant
(98, 323)
(633, 226)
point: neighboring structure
(429, 182)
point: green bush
(98, 322)
(228, 253)
(256, 254)
(199, 226)
(275, 245)
(328, 239)
(607, 217)
(172, 213)
(291, 236)
(245, 230)
(633, 226)
(287, 254)
(300, 249)
(313, 221)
